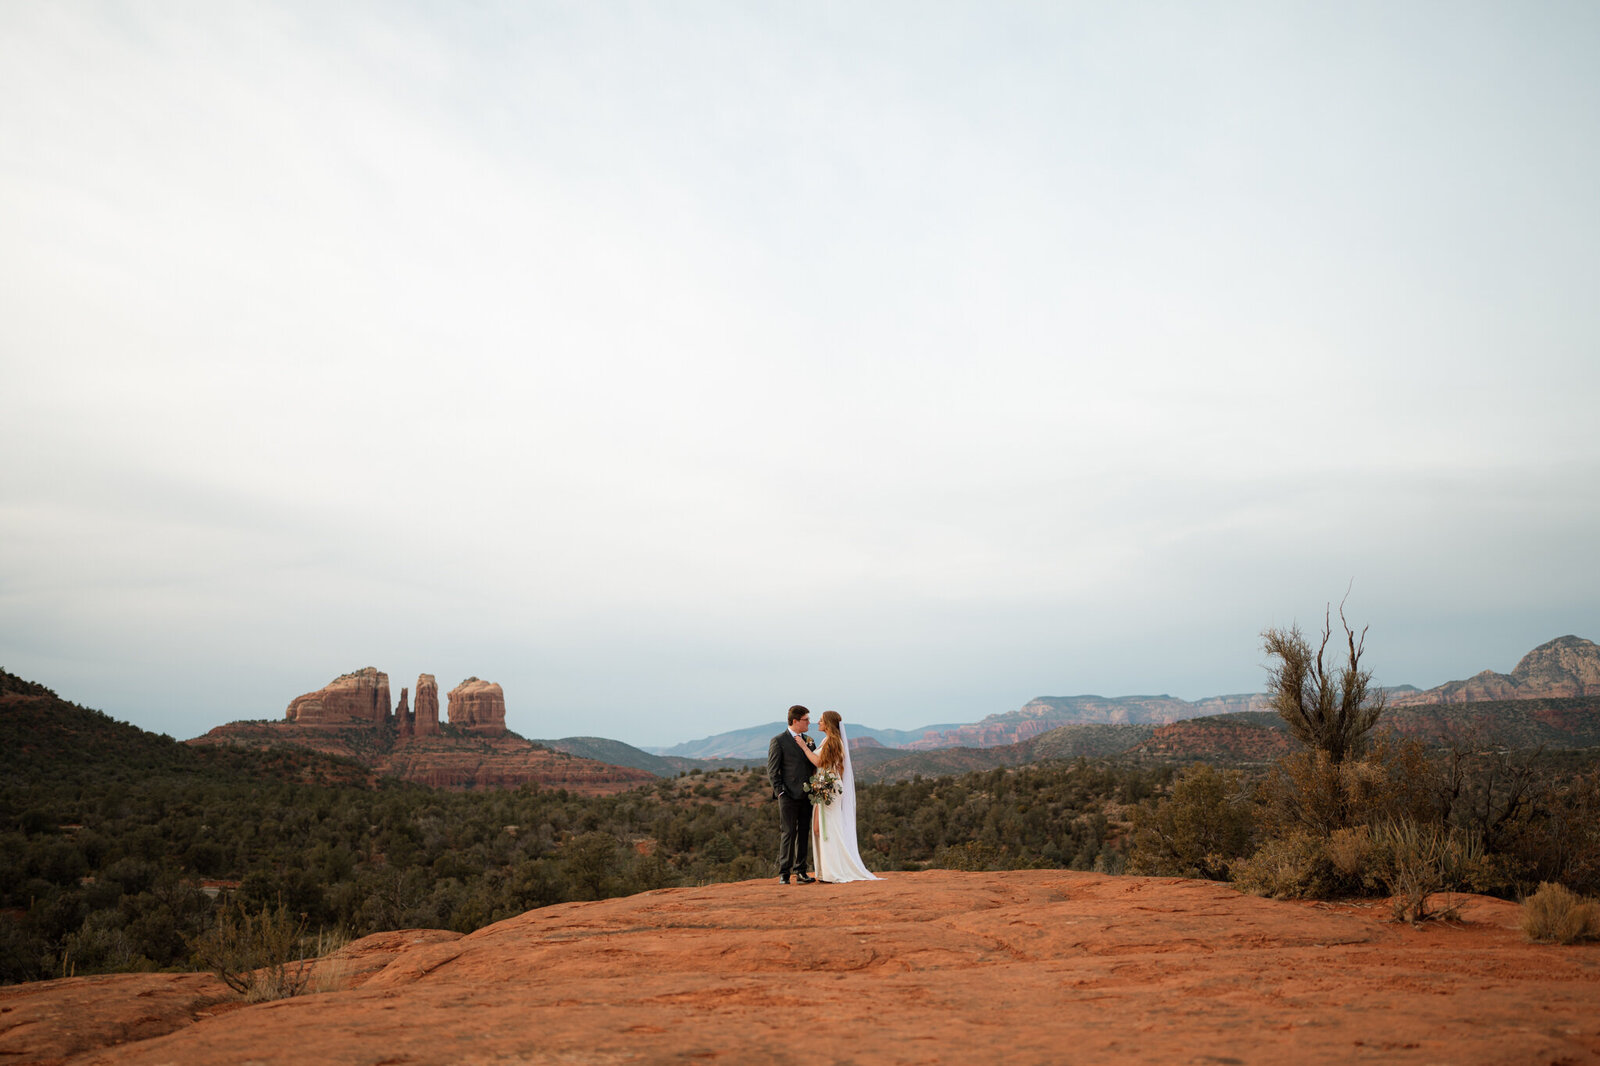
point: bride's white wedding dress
(833, 831)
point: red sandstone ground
(937, 967)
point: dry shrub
(1349, 852)
(1316, 814)
(1556, 914)
(1415, 861)
(1303, 792)
(1303, 865)
(1291, 867)
(263, 956)
(1326, 707)
(1309, 791)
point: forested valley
(122, 848)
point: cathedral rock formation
(402, 714)
(427, 713)
(350, 719)
(359, 698)
(478, 706)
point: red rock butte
(402, 714)
(361, 697)
(427, 714)
(1035, 966)
(478, 707)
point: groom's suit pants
(794, 823)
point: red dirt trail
(1036, 966)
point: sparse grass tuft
(331, 966)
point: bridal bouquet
(823, 786)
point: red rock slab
(52, 1021)
(940, 967)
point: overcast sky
(672, 363)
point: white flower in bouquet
(823, 786)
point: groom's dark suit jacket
(787, 767)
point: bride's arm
(815, 759)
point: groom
(788, 769)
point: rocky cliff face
(427, 715)
(1565, 667)
(478, 707)
(1217, 739)
(354, 698)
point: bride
(833, 828)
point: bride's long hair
(832, 753)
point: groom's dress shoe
(783, 880)
(806, 879)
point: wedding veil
(847, 793)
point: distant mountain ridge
(1035, 718)
(751, 742)
(1083, 740)
(1566, 667)
(618, 753)
(1045, 713)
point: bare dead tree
(1508, 789)
(1327, 708)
